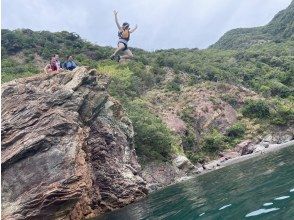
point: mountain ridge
(280, 28)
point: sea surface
(258, 188)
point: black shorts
(126, 46)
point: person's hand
(115, 12)
(136, 26)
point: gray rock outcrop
(183, 163)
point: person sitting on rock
(54, 66)
(69, 64)
(55, 63)
(124, 32)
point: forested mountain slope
(280, 29)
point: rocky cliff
(67, 148)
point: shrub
(265, 90)
(196, 157)
(214, 142)
(237, 130)
(121, 79)
(282, 115)
(231, 99)
(157, 70)
(256, 109)
(211, 74)
(187, 115)
(174, 85)
(194, 79)
(153, 140)
(279, 89)
(189, 140)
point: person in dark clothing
(69, 64)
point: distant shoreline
(269, 149)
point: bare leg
(128, 54)
(120, 47)
(47, 68)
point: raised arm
(135, 28)
(116, 19)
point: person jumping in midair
(124, 32)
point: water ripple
(261, 211)
(268, 204)
(225, 206)
(228, 193)
(282, 197)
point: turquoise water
(259, 188)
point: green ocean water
(259, 188)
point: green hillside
(256, 82)
(280, 29)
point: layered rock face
(67, 148)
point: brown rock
(67, 148)
(244, 147)
(158, 175)
(230, 154)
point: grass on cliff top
(121, 79)
(132, 79)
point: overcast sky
(162, 23)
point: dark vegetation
(153, 139)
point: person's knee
(130, 54)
